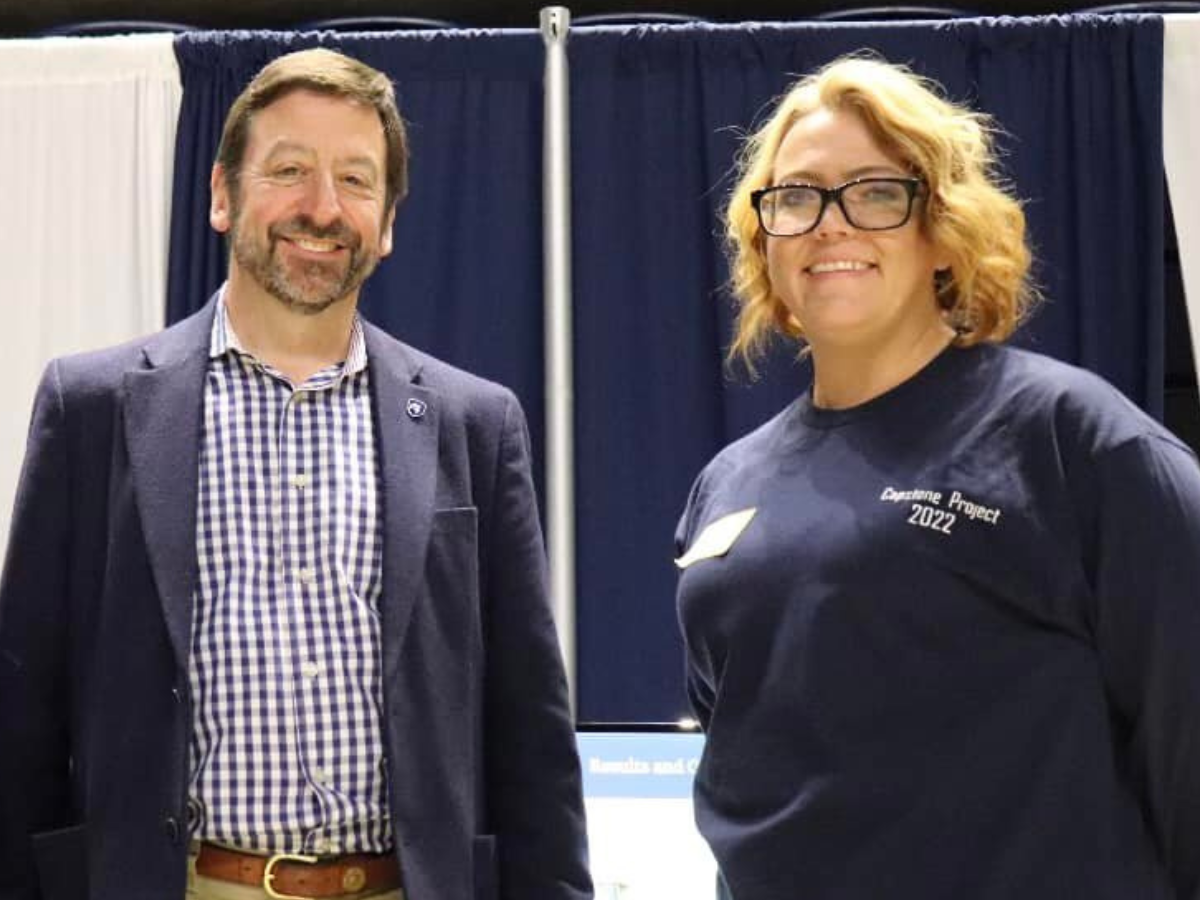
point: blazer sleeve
(34, 633)
(1146, 540)
(534, 792)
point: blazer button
(171, 829)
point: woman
(941, 612)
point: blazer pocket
(452, 565)
(452, 589)
(487, 880)
(61, 860)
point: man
(273, 620)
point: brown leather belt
(292, 875)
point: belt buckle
(269, 874)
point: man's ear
(385, 233)
(220, 214)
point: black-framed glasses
(870, 204)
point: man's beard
(309, 286)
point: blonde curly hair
(967, 212)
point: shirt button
(321, 845)
(300, 480)
(305, 576)
(310, 669)
(321, 776)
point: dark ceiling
(20, 18)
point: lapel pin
(415, 408)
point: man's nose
(321, 201)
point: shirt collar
(225, 340)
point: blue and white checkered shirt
(287, 752)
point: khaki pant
(201, 888)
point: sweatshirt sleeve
(1145, 546)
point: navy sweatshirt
(946, 644)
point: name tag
(717, 537)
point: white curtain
(87, 143)
(1181, 151)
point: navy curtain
(464, 281)
(656, 117)
(657, 114)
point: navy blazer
(96, 611)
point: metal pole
(560, 390)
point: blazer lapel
(407, 417)
(163, 410)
